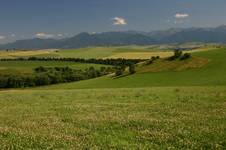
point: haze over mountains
(174, 35)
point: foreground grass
(142, 118)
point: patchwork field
(128, 52)
(164, 105)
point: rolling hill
(210, 73)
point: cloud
(181, 15)
(119, 21)
(44, 35)
(2, 37)
(59, 35)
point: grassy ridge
(146, 118)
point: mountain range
(173, 35)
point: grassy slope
(211, 74)
(154, 118)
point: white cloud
(60, 35)
(44, 35)
(181, 15)
(13, 35)
(2, 37)
(119, 21)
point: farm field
(164, 105)
(27, 53)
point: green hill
(211, 73)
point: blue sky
(63, 18)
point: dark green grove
(48, 76)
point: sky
(22, 19)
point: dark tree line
(112, 62)
(48, 76)
(178, 54)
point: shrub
(153, 58)
(132, 69)
(3, 82)
(119, 71)
(185, 56)
(42, 79)
(40, 69)
(149, 62)
(177, 54)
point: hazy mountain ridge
(174, 35)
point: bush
(185, 56)
(149, 62)
(119, 71)
(3, 82)
(42, 80)
(177, 54)
(132, 69)
(153, 58)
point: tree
(42, 80)
(132, 69)
(119, 71)
(185, 56)
(177, 54)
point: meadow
(139, 118)
(164, 105)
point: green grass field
(167, 108)
(143, 118)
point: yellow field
(27, 53)
(141, 55)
